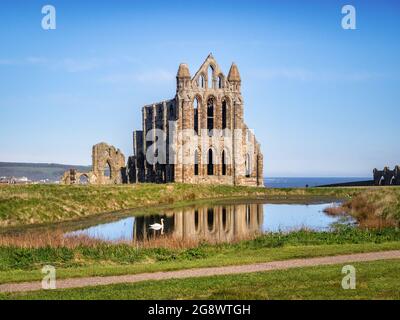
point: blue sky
(323, 101)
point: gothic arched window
(201, 82)
(223, 163)
(210, 114)
(107, 170)
(220, 82)
(248, 165)
(210, 165)
(196, 163)
(196, 115)
(210, 76)
(224, 114)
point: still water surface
(216, 222)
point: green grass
(374, 206)
(24, 264)
(21, 206)
(374, 280)
(36, 204)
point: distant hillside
(37, 171)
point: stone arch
(84, 178)
(211, 104)
(221, 81)
(210, 76)
(72, 176)
(196, 112)
(248, 164)
(106, 155)
(107, 170)
(211, 96)
(197, 97)
(201, 82)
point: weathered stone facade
(387, 177)
(207, 102)
(108, 167)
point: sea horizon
(297, 182)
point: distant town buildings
(15, 180)
(24, 180)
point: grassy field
(375, 207)
(24, 264)
(37, 204)
(22, 255)
(34, 204)
(22, 206)
(374, 280)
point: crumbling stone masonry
(387, 177)
(208, 100)
(108, 167)
(108, 164)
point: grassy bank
(22, 259)
(36, 204)
(374, 280)
(25, 263)
(373, 208)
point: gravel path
(203, 272)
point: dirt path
(203, 272)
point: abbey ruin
(108, 167)
(203, 133)
(387, 177)
(199, 136)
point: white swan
(158, 226)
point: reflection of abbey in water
(218, 223)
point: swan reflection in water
(215, 224)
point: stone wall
(387, 177)
(108, 164)
(108, 167)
